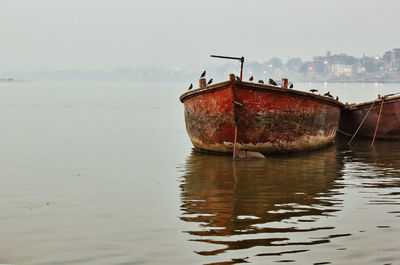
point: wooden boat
(265, 118)
(382, 115)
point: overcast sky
(100, 34)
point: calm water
(105, 174)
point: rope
(389, 95)
(361, 123)
(345, 133)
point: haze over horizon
(106, 35)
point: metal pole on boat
(241, 67)
(241, 59)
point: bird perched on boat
(260, 81)
(272, 82)
(203, 74)
(327, 94)
(291, 86)
(191, 86)
(337, 98)
(313, 90)
(251, 78)
(209, 81)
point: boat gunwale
(201, 90)
(369, 103)
(264, 87)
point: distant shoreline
(7, 79)
(169, 79)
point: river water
(104, 173)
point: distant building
(359, 69)
(396, 60)
(391, 61)
(328, 54)
(342, 70)
(387, 61)
(319, 64)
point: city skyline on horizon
(211, 63)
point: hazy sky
(100, 34)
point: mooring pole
(235, 144)
(377, 122)
(241, 59)
(235, 117)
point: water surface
(105, 174)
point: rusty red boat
(379, 118)
(258, 117)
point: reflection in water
(275, 202)
(374, 169)
(343, 200)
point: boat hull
(271, 119)
(389, 123)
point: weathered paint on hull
(271, 120)
(389, 124)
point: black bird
(313, 90)
(327, 94)
(191, 86)
(337, 98)
(251, 78)
(291, 86)
(260, 81)
(272, 82)
(203, 74)
(209, 81)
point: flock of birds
(270, 81)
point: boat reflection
(244, 204)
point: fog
(105, 35)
